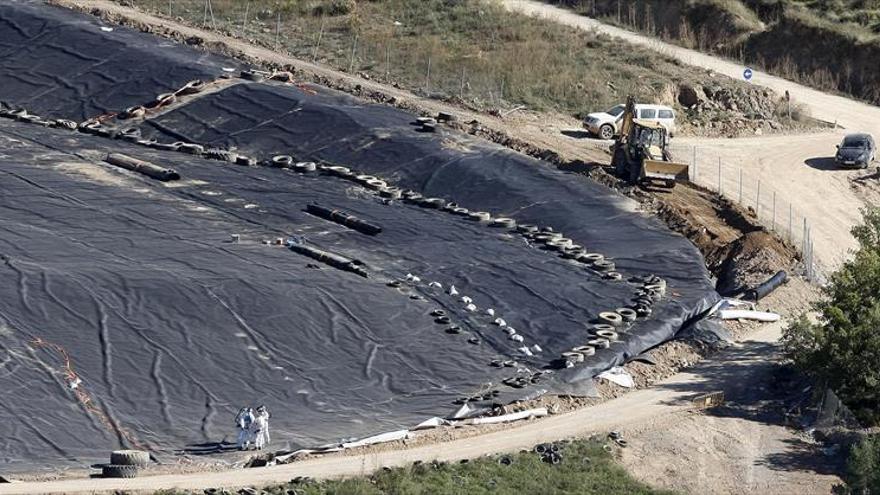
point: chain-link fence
(773, 209)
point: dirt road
(831, 108)
(641, 415)
(796, 167)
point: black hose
(343, 218)
(767, 287)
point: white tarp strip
(619, 376)
(381, 438)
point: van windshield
(615, 111)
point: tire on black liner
(129, 458)
(117, 471)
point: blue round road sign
(747, 74)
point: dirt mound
(749, 261)
(739, 252)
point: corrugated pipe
(332, 259)
(767, 287)
(142, 167)
(343, 218)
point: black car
(856, 151)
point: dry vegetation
(585, 467)
(828, 44)
(472, 52)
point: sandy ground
(670, 443)
(796, 167)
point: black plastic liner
(59, 63)
(172, 326)
(268, 120)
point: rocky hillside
(713, 110)
(830, 45)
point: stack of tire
(549, 452)
(125, 463)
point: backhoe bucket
(665, 173)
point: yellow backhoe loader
(640, 153)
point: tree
(842, 347)
(862, 475)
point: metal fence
(773, 209)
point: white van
(605, 124)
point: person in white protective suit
(261, 427)
(244, 420)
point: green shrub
(842, 348)
(863, 467)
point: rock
(689, 96)
(758, 132)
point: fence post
(812, 262)
(277, 30)
(807, 252)
(247, 8)
(804, 249)
(170, 8)
(720, 186)
(790, 233)
(740, 186)
(758, 201)
(774, 211)
(428, 76)
(318, 44)
(211, 9)
(810, 258)
(354, 45)
(461, 86)
(388, 60)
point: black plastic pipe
(142, 167)
(343, 218)
(332, 259)
(767, 287)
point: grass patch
(471, 51)
(585, 469)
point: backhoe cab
(640, 153)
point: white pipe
(530, 413)
(744, 314)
